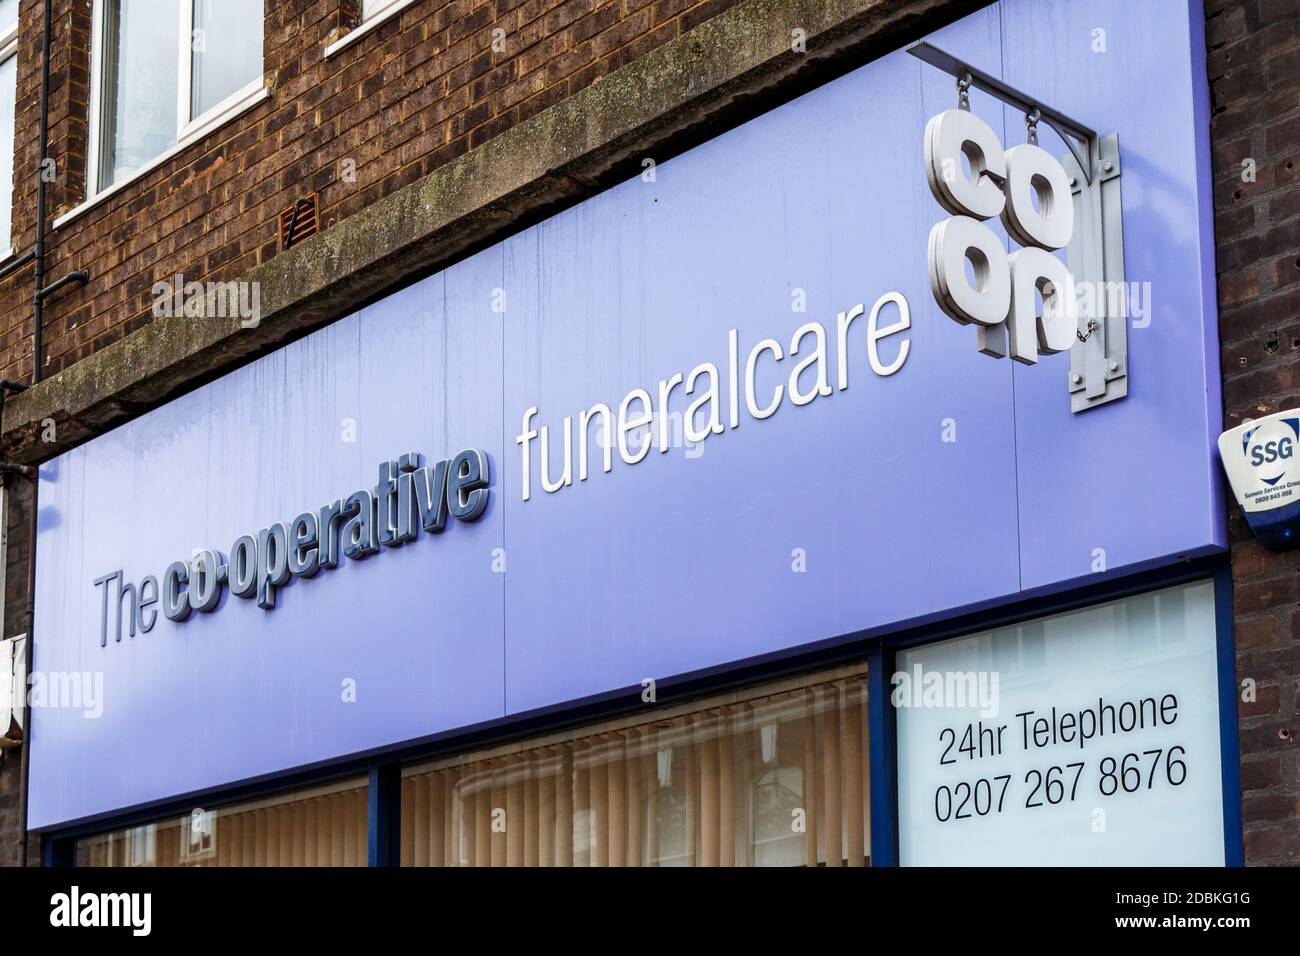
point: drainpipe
(17, 264)
(80, 277)
(38, 311)
(37, 254)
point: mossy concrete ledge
(650, 107)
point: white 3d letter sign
(1030, 191)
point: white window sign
(1086, 738)
(13, 685)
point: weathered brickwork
(17, 620)
(406, 98)
(1254, 70)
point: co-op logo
(973, 279)
(1270, 448)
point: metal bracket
(1099, 360)
(1099, 363)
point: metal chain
(1031, 125)
(1084, 336)
(963, 92)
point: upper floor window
(377, 8)
(164, 72)
(8, 102)
(373, 13)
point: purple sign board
(759, 432)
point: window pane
(372, 8)
(227, 50)
(776, 775)
(8, 92)
(8, 14)
(327, 826)
(1074, 692)
(138, 116)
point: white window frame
(9, 42)
(206, 121)
(189, 129)
(9, 48)
(381, 12)
(378, 8)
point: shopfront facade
(685, 526)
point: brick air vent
(299, 222)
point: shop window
(1152, 622)
(145, 102)
(326, 826)
(773, 776)
(1018, 649)
(142, 845)
(1040, 736)
(199, 837)
(8, 103)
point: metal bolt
(1076, 378)
(1114, 366)
(1108, 166)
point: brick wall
(413, 94)
(1254, 69)
(10, 809)
(17, 620)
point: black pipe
(17, 264)
(38, 310)
(81, 277)
(37, 255)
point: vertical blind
(322, 827)
(774, 776)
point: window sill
(237, 107)
(378, 19)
